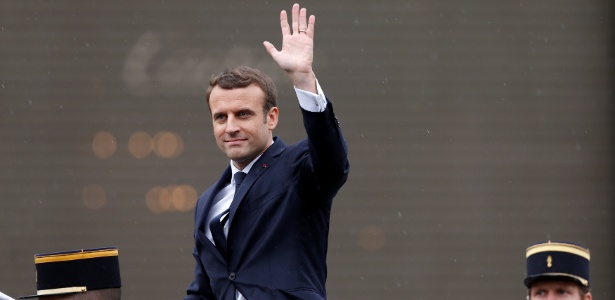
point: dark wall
(476, 128)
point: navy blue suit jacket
(279, 220)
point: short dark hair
(240, 77)
(584, 291)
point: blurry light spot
(184, 197)
(168, 144)
(152, 200)
(371, 238)
(104, 144)
(165, 198)
(171, 198)
(140, 144)
(94, 196)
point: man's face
(556, 290)
(241, 128)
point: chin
(238, 157)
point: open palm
(297, 52)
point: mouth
(232, 142)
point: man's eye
(219, 117)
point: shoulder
(214, 188)
(201, 203)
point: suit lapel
(222, 182)
(266, 160)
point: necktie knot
(239, 176)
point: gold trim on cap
(583, 281)
(84, 254)
(74, 289)
(557, 247)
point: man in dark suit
(261, 231)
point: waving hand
(297, 51)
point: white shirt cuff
(310, 101)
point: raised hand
(297, 51)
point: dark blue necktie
(216, 225)
(239, 176)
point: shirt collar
(248, 167)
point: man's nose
(551, 296)
(232, 125)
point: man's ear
(272, 118)
(588, 296)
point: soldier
(557, 271)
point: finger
(302, 20)
(270, 48)
(295, 20)
(284, 23)
(310, 28)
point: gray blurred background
(476, 128)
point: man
(557, 271)
(265, 236)
(85, 274)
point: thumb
(270, 48)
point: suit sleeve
(199, 289)
(328, 151)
